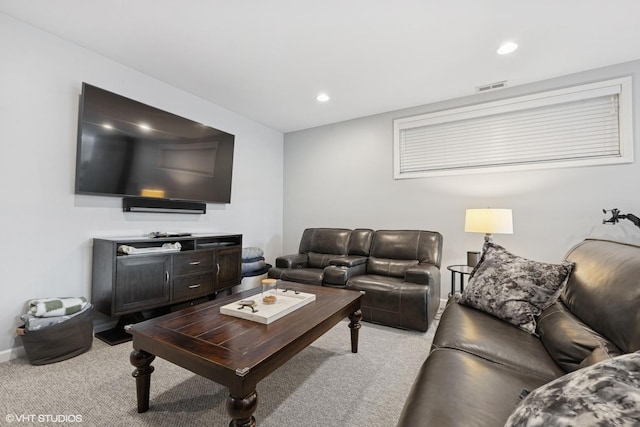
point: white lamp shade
(489, 221)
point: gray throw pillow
(513, 288)
(605, 394)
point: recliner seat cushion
(454, 388)
(475, 332)
(381, 292)
(394, 302)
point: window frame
(620, 86)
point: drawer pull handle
(197, 285)
(194, 263)
(166, 277)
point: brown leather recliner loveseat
(398, 270)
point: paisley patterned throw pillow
(513, 288)
(605, 394)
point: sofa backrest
(394, 251)
(323, 244)
(360, 242)
(603, 290)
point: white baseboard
(12, 353)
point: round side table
(460, 270)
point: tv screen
(127, 148)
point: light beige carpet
(324, 385)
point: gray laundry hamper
(60, 341)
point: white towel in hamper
(33, 323)
(49, 307)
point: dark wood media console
(125, 285)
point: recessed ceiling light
(507, 48)
(323, 97)
(107, 126)
(145, 127)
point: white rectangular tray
(286, 302)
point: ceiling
(269, 59)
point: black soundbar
(149, 204)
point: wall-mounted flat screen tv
(127, 148)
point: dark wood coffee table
(234, 352)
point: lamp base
(473, 258)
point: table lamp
(488, 221)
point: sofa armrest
(337, 275)
(348, 261)
(422, 274)
(292, 261)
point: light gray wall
(45, 248)
(341, 175)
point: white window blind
(583, 125)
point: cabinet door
(142, 282)
(228, 267)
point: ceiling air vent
(491, 86)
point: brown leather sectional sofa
(399, 270)
(480, 367)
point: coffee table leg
(355, 318)
(142, 361)
(241, 410)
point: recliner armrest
(338, 275)
(292, 261)
(348, 261)
(422, 274)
